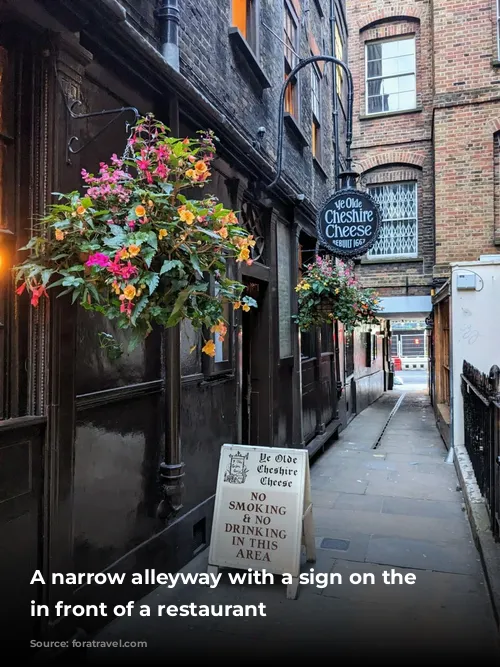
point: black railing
(481, 399)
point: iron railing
(481, 401)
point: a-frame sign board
(263, 512)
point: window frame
(398, 38)
(210, 367)
(251, 21)
(316, 134)
(498, 28)
(396, 256)
(292, 93)
(340, 56)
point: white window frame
(410, 255)
(498, 29)
(399, 38)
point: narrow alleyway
(393, 507)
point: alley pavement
(394, 507)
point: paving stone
(460, 557)
(361, 503)
(423, 508)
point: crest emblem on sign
(236, 472)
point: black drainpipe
(168, 16)
(172, 468)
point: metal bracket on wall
(71, 106)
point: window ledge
(237, 39)
(295, 128)
(385, 114)
(320, 167)
(495, 63)
(391, 260)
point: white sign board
(262, 500)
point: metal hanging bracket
(71, 106)
(116, 112)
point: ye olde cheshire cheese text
(255, 537)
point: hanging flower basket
(328, 292)
(133, 247)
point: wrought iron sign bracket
(71, 105)
(95, 114)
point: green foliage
(328, 292)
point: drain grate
(337, 545)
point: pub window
(349, 352)
(291, 34)
(244, 17)
(390, 75)
(221, 363)
(339, 54)
(367, 342)
(284, 301)
(399, 230)
(316, 111)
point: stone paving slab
(395, 507)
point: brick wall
(467, 116)
(211, 62)
(396, 146)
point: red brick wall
(396, 146)
(467, 115)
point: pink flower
(161, 170)
(116, 160)
(143, 165)
(98, 259)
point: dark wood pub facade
(83, 437)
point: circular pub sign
(349, 223)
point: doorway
(256, 382)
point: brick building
(115, 460)
(426, 145)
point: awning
(405, 307)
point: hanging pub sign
(349, 223)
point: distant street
(413, 380)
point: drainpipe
(333, 21)
(168, 14)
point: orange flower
(222, 232)
(190, 173)
(162, 233)
(59, 235)
(150, 204)
(185, 215)
(246, 307)
(140, 211)
(219, 328)
(116, 287)
(80, 210)
(250, 241)
(192, 159)
(237, 305)
(200, 167)
(209, 348)
(231, 218)
(185, 141)
(123, 254)
(129, 292)
(244, 255)
(134, 250)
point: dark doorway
(256, 381)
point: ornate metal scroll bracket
(75, 116)
(71, 106)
